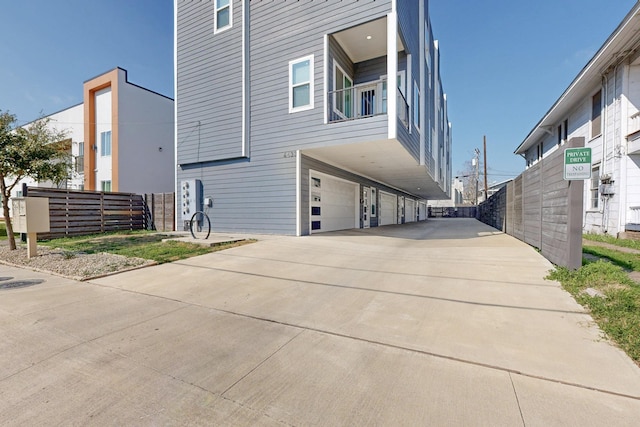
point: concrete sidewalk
(446, 322)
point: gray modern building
(297, 117)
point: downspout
(624, 131)
(603, 167)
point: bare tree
(471, 182)
(37, 151)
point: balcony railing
(634, 123)
(403, 109)
(364, 100)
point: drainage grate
(2, 279)
(20, 283)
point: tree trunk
(7, 218)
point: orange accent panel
(106, 80)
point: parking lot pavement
(442, 322)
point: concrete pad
(548, 404)
(437, 323)
(214, 239)
(472, 312)
(200, 346)
(112, 311)
(25, 344)
(326, 380)
(87, 386)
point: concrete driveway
(446, 322)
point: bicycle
(200, 225)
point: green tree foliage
(36, 151)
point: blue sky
(504, 62)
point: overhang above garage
(385, 161)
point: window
(343, 95)
(565, 130)
(416, 105)
(596, 112)
(560, 141)
(80, 158)
(105, 186)
(222, 17)
(301, 84)
(105, 143)
(374, 198)
(401, 82)
(595, 181)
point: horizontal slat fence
(77, 213)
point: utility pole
(477, 165)
(486, 187)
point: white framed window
(343, 96)
(301, 84)
(105, 186)
(105, 143)
(222, 19)
(416, 105)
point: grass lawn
(625, 260)
(617, 312)
(3, 230)
(147, 245)
(625, 243)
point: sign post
(577, 163)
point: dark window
(315, 225)
(596, 111)
(315, 210)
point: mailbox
(30, 214)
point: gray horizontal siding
(209, 80)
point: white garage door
(410, 211)
(334, 203)
(388, 208)
(423, 212)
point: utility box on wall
(190, 198)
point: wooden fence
(76, 213)
(542, 209)
(162, 211)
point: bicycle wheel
(200, 225)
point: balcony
(364, 100)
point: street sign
(577, 163)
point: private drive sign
(577, 163)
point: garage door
(410, 211)
(388, 208)
(334, 203)
(422, 211)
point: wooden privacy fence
(76, 213)
(542, 209)
(162, 210)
